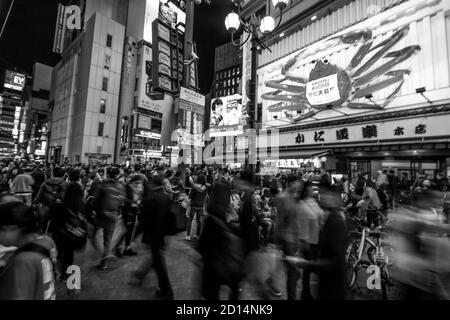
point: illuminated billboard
(165, 11)
(228, 114)
(14, 80)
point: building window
(107, 61)
(101, 126)
(105, 84)
(103, 106)
(109, 39)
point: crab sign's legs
(399, 57)
(392, 95)
(385, 46)
(309, 114)
(368, 106)
(359, 56)
(285, 87)
(294, 107)
(397, 76)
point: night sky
(28, 36)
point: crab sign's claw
(398, 57)
(385, 46)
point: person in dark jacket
(247, 218)
(39, 178)
(155, 214)
(360, 185)
(131, 210)
(107, 205)
(219, 247)
(71, 209)
(49, 194)
(27, 256)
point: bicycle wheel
(351, 262)
(385, 282)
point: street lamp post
(255, 28)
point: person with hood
(27, 255)
(155, 224)
(222, 250)
(22, 186)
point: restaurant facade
(362, 88)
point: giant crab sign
(332, 87)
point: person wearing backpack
(68, 225)
(222, 250)
(49, 194)
(27, 273)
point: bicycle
(368, 242)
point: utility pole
(188, 41)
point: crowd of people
(236, 219)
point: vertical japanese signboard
(168, 57)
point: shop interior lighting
(421, 92)
(313, 18)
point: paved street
(183, 271)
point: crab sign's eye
(325, 61)
(313, 62)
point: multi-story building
(12, 109)
(366, 86)
(86, 94)
(227, 70)
(103, 104)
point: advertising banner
(58, 43)
(323, 90)
(164, 10)
(192, 101)
(14, 80)
(228, 114)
